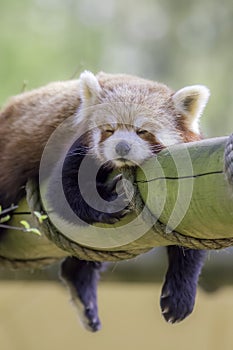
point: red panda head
(130, 119)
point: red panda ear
(190, 102)
(89, 88)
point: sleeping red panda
(138, 118)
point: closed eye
(109, 131)
(141, 132)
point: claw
(177, 321)
(108, 219)
(171, 320)
(165, 311)
(114, 182)
(121, 195)
(113, 221)
(165, 294)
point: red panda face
(129, 145)
(131, 119)
(125, 146)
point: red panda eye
(109, 131)
(142, 132)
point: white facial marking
(96, 135)
(168, 138)
(139, 122)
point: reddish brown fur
(26, 124)
(29, 119)
(187, 135)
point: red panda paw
(112, 218)
(117, 203)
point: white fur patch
(168, 138)
(140, 121)
(96, 134)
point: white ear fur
(89, 87)
(190, 102)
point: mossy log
(182, 197)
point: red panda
(129, 119)
(155, 117)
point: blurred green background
(176, 42)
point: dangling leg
(81, 277)
(179, 289)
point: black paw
(112, 217)
(91, 320)
(117, 205)
(177, 300)
(109, 191)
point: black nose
(122, 148)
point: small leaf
(41, 217)
(5, 219)
(34, 230)
(25, 224)
(28, 228)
